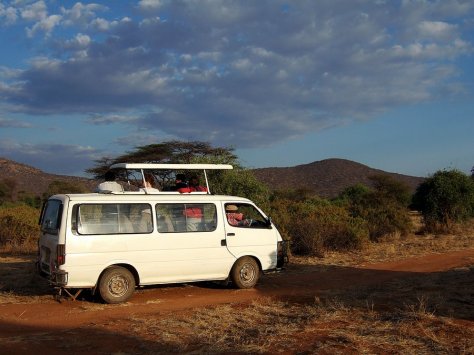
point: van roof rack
(155, 166)
(171, 166)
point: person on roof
(180, 182)
(149, 184)
(109, 185)
(193, 186)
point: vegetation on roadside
(421, 314)
(19, 228)
(360, 215)
(445, 200)
(413, 313)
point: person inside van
(180, 182)
(194, 215)
(234, 217)
(109, 185)
(193, 186)
(149, 184)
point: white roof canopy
(172, 166)
(145, 166)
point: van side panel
(157, 257)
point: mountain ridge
(28, 179)
(327, 178)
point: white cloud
(45, 25)
(437, 30)
(8, 15)
(111, 119)
(35, 12)
(251, 74)
(150, 4)
(81, 14)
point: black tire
(245, 273)
(116, 285)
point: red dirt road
(89, 326)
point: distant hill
(32, 180)
(327, 178)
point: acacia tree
(239, 181)
(445, 198)
(173, 152)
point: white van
(113, 242)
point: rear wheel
(245, 273)
(116, 285)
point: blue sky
(385, 83)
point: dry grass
(242, 328)
(420, 314)
(402, 317)
(396, 247)
(19, 282)
(430, 313)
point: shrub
(19, 228)
(445, 199)
(7, 188)
(384, 207)
(383, 217)
(315, 225)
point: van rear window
(51, 219)
(113, 218)
(186, 217)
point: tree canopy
(172, 152)
(445, 198)
(238, 182)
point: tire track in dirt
(296, 280)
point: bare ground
(370, 302)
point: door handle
(230, 234)
(223, 243)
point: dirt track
(86, 326)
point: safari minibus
(113, 242)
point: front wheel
(245, 273)
(116, 285)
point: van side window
(51, 219)
(113, 218)
(245, 215)
(186, 217)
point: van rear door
(50, 250)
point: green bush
(384, 207)
(316, 225)
(19, 227)
(445, 199)
(383, 217)
(328, 228)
